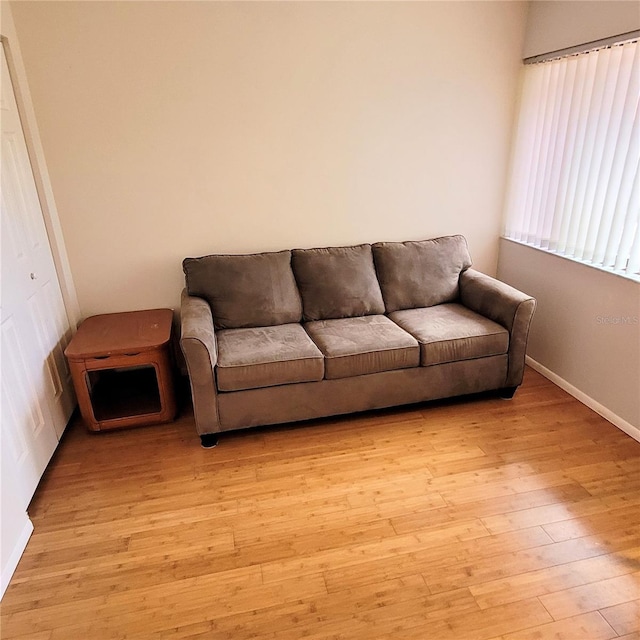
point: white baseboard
(607, 414)
(12, 562)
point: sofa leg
(507, 393)
(208, 440)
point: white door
(37, 394)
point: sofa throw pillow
(256, 290)
(422, 273)
(337, 282)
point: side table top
(121, 333)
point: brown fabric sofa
(293, 335)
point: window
(574, 186)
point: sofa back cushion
(420, 274)
(337, 282)
(256, 290)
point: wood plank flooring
(466, 519)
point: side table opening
(124, 392)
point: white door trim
(12, 562)
(9, 39)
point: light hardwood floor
(467, 519)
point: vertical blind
(574, 186)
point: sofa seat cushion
(368, 344)
(451, 332)
(337, 282)
(265, 357)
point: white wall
(583, 333)
(586, 328)
(559, 24)
(182, 128)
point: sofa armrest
(506, 306)
(198, 344)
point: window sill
(625, 276)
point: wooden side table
(121, 369)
